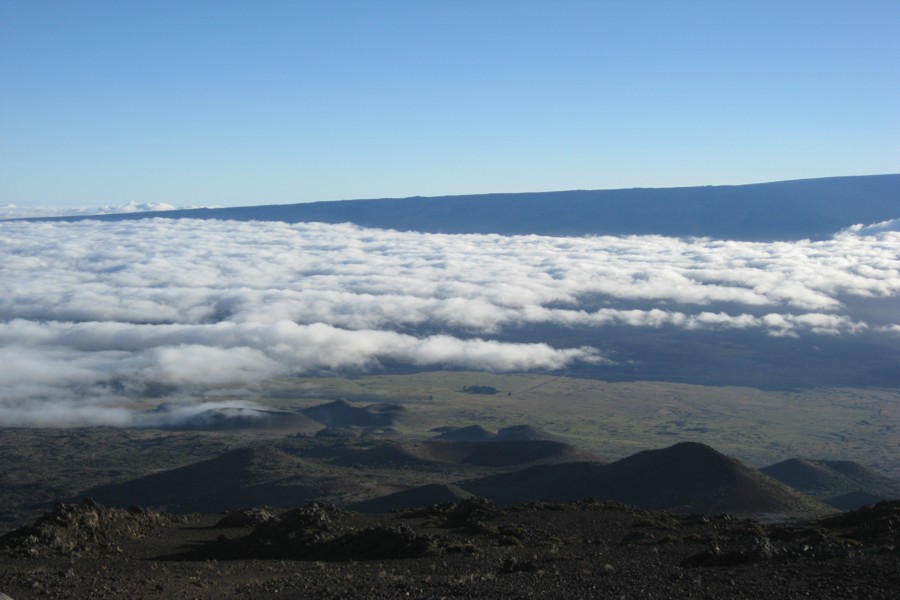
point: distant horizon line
(82, 210)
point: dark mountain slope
(391, 456)
(806, 208)
(686, 477)
(694, 477)
(417, 497)
(565, 482)
(802, 474)
(843, 484)
(244, 477)
(491, 453)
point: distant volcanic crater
(343, 414)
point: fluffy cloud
(95, 308)
(875, 228)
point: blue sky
(196, 102)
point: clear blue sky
(218, 102)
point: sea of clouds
(93, 313)
(14, 211)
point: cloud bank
(92, 313)
(13, 211)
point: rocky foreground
(468, 549)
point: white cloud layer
(13, 211)
(91, 307)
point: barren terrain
(386, 443)
(470, 549)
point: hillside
(686, 477)
(492, 453)
(245, 477)
(844, 484)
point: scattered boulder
(876, 525)
(247, 517)
(470, 512)
(74, 529)
(321, 532)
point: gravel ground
(467, 550)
